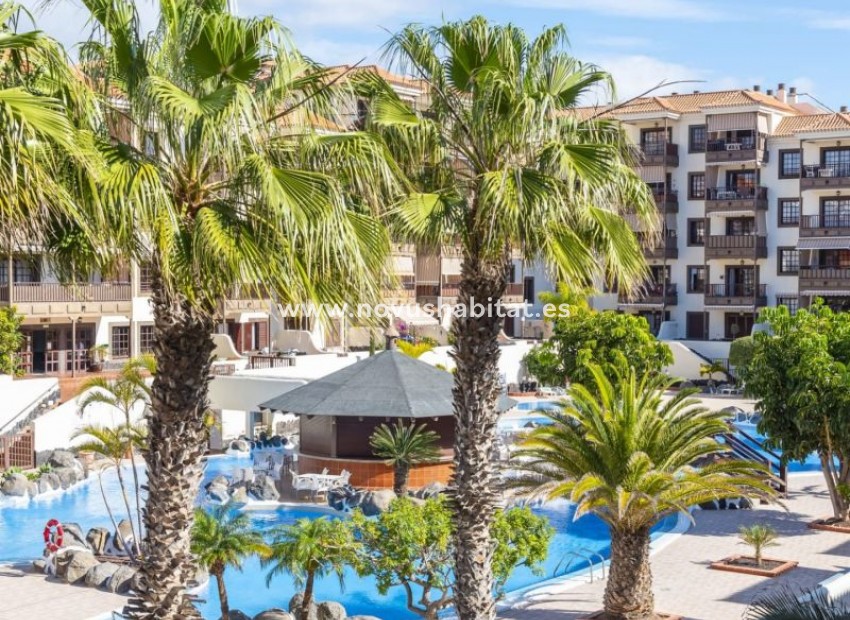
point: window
(145, 277)
(121, 341)
(835, 259)
(696, 138)
(835, 212)
(738, 226)
(696, 185)
(146, 339)
(789, 261)
(528, 289)
(653, 141)
(696, 232)
(25, 270)
(789, 211)
(696, 326)
(696, 279)
(792, 303)
(837, 161)
(789, 164)
(742, 182)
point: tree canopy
(10, 340)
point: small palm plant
(709, 370)
(786, 604)
(758, 536)
(224, 537)
(307, 550)
(402, 446)
(619, 451)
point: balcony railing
(736, 294)
(667, 248)
(742, 144)
(744, 148)
(827, 278)
(736, 193)
(653, 294)
(36, 292)
(837, 225)
(736, 246)
(827, 176)
(660, 154)
(668, 200)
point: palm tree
(124, 393)
(785, 604)
(758, 536)
(114, 444)
(218, 181)
(307, 550)
(622, 453)
(403, 446)
(711, 369)
(224, 537)
(504, 167)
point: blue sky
(724, 43)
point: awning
(250, 317)
(413, 315)
(652, 174)
(824, 243)
(403, 265)
(838, 293)
(762, 123)
(731, 122)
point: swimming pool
(21, 525)
(810, 464)
(538, 405)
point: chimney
(673, 94)
(696, 92)
(792, 94)
(757, 88)
(769, 92)
(843, 109)
(780, 92)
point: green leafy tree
(622, 453)
(799, 376)
(403, 446)
(741, 351)
(758, 536)
(500, 165)
(410, 545)
(608, 339)
(217, 181)
(221, 538)
(11, 340)
(309, 550)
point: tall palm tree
(224, 537)
(307, 550)
(114, 444)
(217, 180)
(620, 452)
(124, 393)
(504, 167)
(403, 446)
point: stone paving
(683, 583)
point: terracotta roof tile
(698, 102)
(813, 122)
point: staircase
(744, 446)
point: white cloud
(634, 74)
(644, 9)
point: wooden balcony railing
(736, 295)
(736, 246)
(660, 154)
(837, 225)
(37, 292)
(826, 176)
(825, 278)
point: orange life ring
(53, 539)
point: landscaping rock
(68, 476)
(126, 533)
(73, 536)
(235, 614)
(263, 488)
(15, 485)
(331, 611)
(295, 607)
(274, 614)
(45, 485)
(377, 502)
(98, 539)
(39, 565)
(72, 566)
(239, 494)
(430, 490)
(32, 488)
(218, 494)
(52, 479)
(61, 459)
(218, 481)
(99, 574)
(122, 580)
(240, 444)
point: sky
(716, 44)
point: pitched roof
(813, 122)
(389, 384)
(392, 78)
(698, 102)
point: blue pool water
(810, 464)
(538, 405)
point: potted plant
(759, 537)
(98, 354)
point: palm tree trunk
(129, 510)
(628, 594)
(476, 390)
(176, 441)
(400, 478)
(109, 510)
(222, 594)
(307, 601)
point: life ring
(53, 539)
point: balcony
(514, 294)
(403, 289)
(723, 152)
(652, 295)
(736, 246)
(729, 199)
(825, 226)
(660, 154)
(668, 201)
(46, 298)
(666, 248)
(824, 278)
(832, 176)
(736, 295)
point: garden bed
(770, 567)
(830, 524)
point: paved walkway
(683, 583)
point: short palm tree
(622, 453)
(758, 536)
(224, 537)
(505, 167)
(403, 446)
(217, 181)
(786, 604)
(114, 444)
(709, 370)
(307, 550)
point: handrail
(572, 555)
(749, 437)
(841, 220)
(774, 465)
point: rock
(98, 539)
(39, 565)
(235, 614)
(52, 479)
(240, 494)
(99, 574)
(125, 533)
(59, 459)
(72, 566)
(274, 614)
(121, 580)
(430, 490)
(45, 485)
(15, 485)
(73, 536)
(240, 444)
(263, 488)
(377, 502)
(218, 481)
(338, 498)
(218, 494)
(68, 476)
(295, 608)
(32, 488)
(331, 611)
